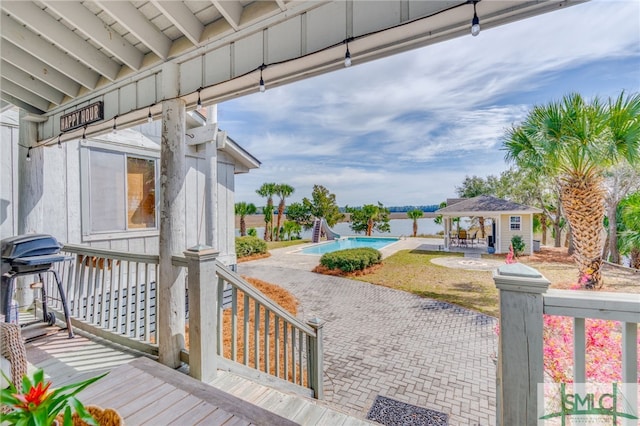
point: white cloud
(399, 128)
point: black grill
(28, 255)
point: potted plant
(38, 405)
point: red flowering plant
(38, 405)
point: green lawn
(412, 271)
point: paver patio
(380, 341)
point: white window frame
(517, 222)
(85, 189)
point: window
(121, 192)
(514, 223)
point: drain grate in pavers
(390, 412)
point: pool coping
(300, 249)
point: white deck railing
(282, 345)
(113, 295)
(524, 299)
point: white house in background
(509, 219)
(102, 192)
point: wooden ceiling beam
(100, 33)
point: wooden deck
(146, 392)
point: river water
(399, 227)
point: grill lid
(29, 246)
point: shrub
(252, 232)
(247, 246)
(518, 245)
(350, 260)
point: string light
(114, 129)
(475, 22)
(347, 56)
(83, 139)
(29, 154)
(149, 117)
(262, 86)
(199, 104)
(59, 143)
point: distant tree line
(406, 209)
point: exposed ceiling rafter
(100, 33)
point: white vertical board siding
(63, 199)
(73, 203)
(226, 209)
(54, 192)
(524, 232)
(194, 219)
(9, 152)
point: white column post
(520, 356)
(211, 186)
(30, 192)
(447, 231)
(171, 286)
(203, 312)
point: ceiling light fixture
(29, 154)
(475, 22)
(149, 117)
(114, 129)
(262, 86)
(59, 143)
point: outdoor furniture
(12, 346)
(462, 238)
(473, 237)
(31, 254)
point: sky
(407, 129)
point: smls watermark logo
(588, 403)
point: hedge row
(350, 260)
(247, 246)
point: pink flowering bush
(603, 349)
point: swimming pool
(349, 242)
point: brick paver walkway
(380, 341)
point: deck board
(176, 413)
(130, 407)
(146, 392)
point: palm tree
(576, 142)
(243, 209)
(268, 189)
(283, 191)
(629, 228)
(415, 215)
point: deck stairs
(68, 361)
(300, 409)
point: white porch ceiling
(56, 56)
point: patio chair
(473, 237)
(462, 237)
(14, 351)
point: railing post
(316, 358)
(520, 356)
(203, 308)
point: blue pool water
(349, 242)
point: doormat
(390, 412)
